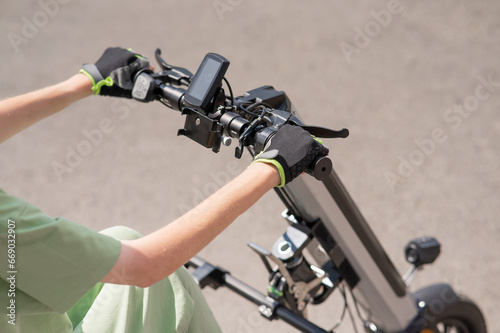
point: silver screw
(267, 312)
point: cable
(356, 306)
(341, 319)
(352, 320)
(244, 108)
(249, 109)
(230, 90)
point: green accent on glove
(292, 150)
(108, 82)
(114, 72)
(276, 164)
(96, 86)
(137, 54)
(317, 140)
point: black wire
(245, 109)
(352, 321)
(249, 109)
(250, 151)
(356, 307)
(350, 313)
(230, 90)
(259, 104)
(341, 319)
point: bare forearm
(164, 251)
(20, 112)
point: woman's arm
(20, 112)
(147, 260)
(111, 75)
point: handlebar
(212, 118)
(236, 126)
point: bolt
(266, 312)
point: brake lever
(323, 132)
(163, 64)
(174, 74)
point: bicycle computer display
(206, 81)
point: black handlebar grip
(320, 168)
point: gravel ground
(416, 83)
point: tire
(449, 312)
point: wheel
(448, 312)
(462, 316)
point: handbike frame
(371, 276)
(351, 245)
(328, 240)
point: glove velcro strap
(269, 158)
(91, 71)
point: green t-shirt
(53, 263)
(53, 283)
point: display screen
(203, 82)
(206, 81)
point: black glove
(292, 150)
(113, 74)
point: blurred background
(416, 83)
